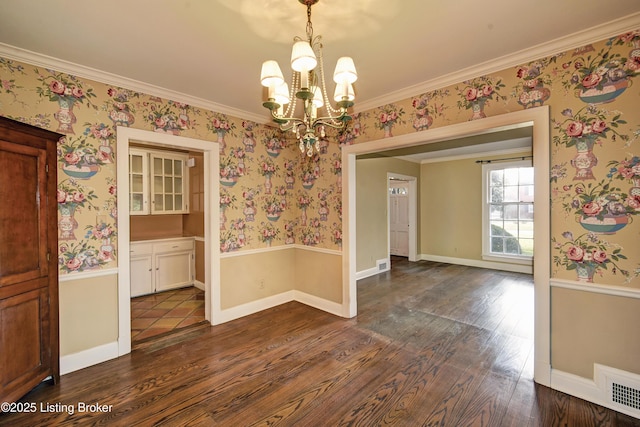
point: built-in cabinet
(158, 183)
(160, 265)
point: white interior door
(399, 218)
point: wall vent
(625, 395)
(622, 389)
(383, 265)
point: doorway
(402, 215)
(211, 155)
(538, 120)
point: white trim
(317, 302)
(252, 307)
(87, 275)
(593, 390)
(362, 274)
(92, 356)
(278, 248)
(563, 44)
(320, 250)
(502, 266)
(539, 119)
(575, 385)
(487, 255)
(617, 291)
(198, 284)
(211, 222)
(578, 39)
(255, 251)
(78, 70)
(256, 306)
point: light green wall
(317, 273)
(250, 277)
(88, 313)
(371, 207)
(451, 207)
(587, 326)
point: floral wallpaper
(595, 170)
(272, 195)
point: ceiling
(209, 52)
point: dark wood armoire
(29, 343)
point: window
(508, 212)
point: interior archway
(211, 154)
(538, 119)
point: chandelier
(308, 85)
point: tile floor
(156, 314)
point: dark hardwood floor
(434, 345)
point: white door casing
(211, 152)
(539, 120)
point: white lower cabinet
(160, 265)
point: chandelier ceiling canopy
(308, 85)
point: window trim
(487, 255)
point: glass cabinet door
(138, 183)
(168, 183)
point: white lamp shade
(344, 89)
(282, 94)
(271, 75)
(302, 57)
(317, 98)
(345, 71)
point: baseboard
(319, 303)
(514, 268)
(596, 391)
(252, 307)
(382, 265)
(93, 356)
(102, 353)
(198, 285)
(366, 273)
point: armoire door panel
(23, 217)
(24, 330)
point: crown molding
(563, 44)
(45, 61)
(581, 38)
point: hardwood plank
(433, 344)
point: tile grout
(156, 314)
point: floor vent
(383, 265)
